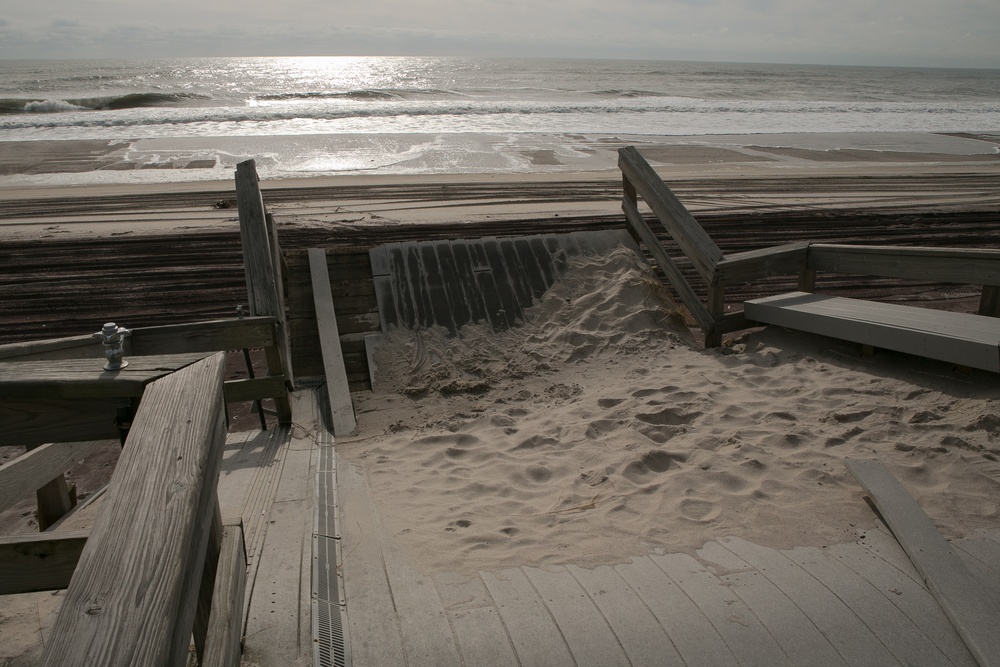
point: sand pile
(598, 431)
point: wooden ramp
(732, 603)
(960, 338)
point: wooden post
(630, 196)
(807, 280)
(202, 619)
(53, 500)
(989, 303)
(717, 308)
(262, 265)
(133, 597)
(225, 627)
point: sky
(922, 33)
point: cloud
(897, 32)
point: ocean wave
(110, 103)
(366, 95)
(628, 93)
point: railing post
(630, 196)
(989, 303)
(716, 308)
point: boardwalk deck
(960, 338)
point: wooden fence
(949, 265)
(158, 564)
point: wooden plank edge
(962, 597)
(32, 470)
(39, 561)
(223, 644)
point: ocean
(311, 116)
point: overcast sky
(942, 33)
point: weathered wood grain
(258, 259)
(225, 624)
(667, 265)
(964, 599)
(966, 266)
(763, 263)
(959, 338)
(39, 562)
(132, 598)
(338, 391)
(31, 470)
(672, 214)
(38, 421)
(86, 378)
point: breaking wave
(110, 103)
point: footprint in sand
(655, 461)
(668, 417)
(609, 402)
(698, 509)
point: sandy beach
(601, 430)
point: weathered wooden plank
(86, 378)
(272, 386)
(379, 260)
(898, 633)
(31, 470)
(683, 228)
(763, 263)
(39, 421)
(798, 637)
(904, 591)
(341, 405)
(132, 598)
(225, 625)
(258, 260)
(641, 636)
(587, 633)
(374, 625)
(74, 347)
(210, 336)
(466, 277)
(971, 609)
(423, 307)
(39, 562)
(431, 272)
(691, 633)
(504, 283)
(730, 616)
(960, 338)
(532, 273)
(453, 286)
(532, 631)
(972, 266)
(669, 268)
(841, 627)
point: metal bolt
(112, 337)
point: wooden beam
(341, 405)
(74, 347)
(40, 421)
(86, 378)
(667, 265)
(225, 624)
(132, 598)
(989, 302)
(683, 228)
(948, 265)
(39, 562)
(780, 260)
(209, 336)
(258, 260)
(255, 389)
(31, 470)
(967, 602)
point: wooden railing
(159, 564)
(947, 265)
(56, 400)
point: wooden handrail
(979, 266)
(133, 596)
(679, 223)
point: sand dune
(598, 431)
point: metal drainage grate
(329, 612)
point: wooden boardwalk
(732, 603)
